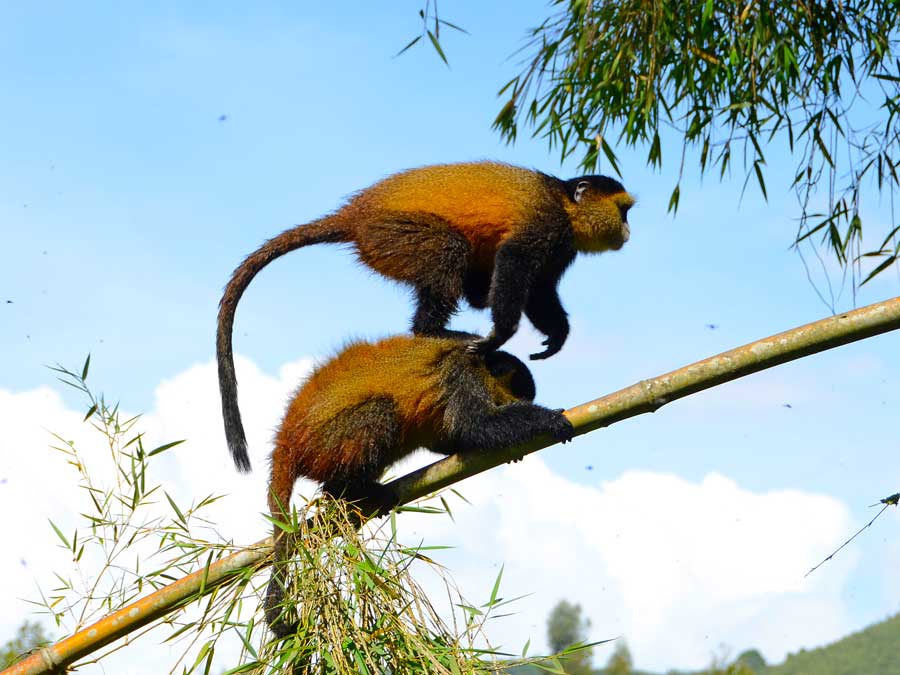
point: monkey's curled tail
(325, 230)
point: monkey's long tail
(274, 601)
(325, 230)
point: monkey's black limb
(510, 425)
(474, 422)
(433, 310)
(526, 269)
(426, 252)
(544, 308)
(546, 313)
(477, 287)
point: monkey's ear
(579, 189)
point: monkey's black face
(513, 373)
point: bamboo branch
(651, 394)
(644, 396)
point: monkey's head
(598, 208)
(511, 374)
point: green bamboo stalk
(642, 397)
(651, 394)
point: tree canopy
(29, 635)
(620, 663)
(566, 627)
(730, 79)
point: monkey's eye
(623, 211)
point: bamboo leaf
(673, 200)
(707, 12)
(760, 180)
(176, 509)
(437, 47)
(59, 534)
(207, 648)
(163, 448)
(453, 26)
(410, 44)
(878, 270)
(496, 588)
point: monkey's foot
(372, 498)
(553, 344)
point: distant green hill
(534, 670)
(873, 651)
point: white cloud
(678, 568)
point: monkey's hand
(556, 424)
(553, 343)
(560, 427)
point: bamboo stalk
(651, 394)
(642, 397)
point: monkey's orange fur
(486, 202)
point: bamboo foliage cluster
(354, 597)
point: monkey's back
(404, 370)
(485, 201)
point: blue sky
(126, 203)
